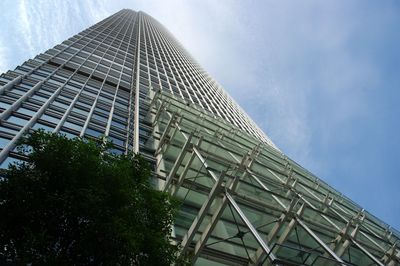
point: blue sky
(321, 78)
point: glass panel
(3, 142)
(50, 118)
(93, 133)
(17, 120)
(73, 126)
(42, 126)
(26, 111)
(8, 161)
(68, 134)
(117, 141)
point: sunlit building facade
(244, 201)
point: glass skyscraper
(244, 201)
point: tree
(73, 203)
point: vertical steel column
(188, 238)
(177, 163)
(137, 100)
(221, 204)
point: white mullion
(164, 60)
(72, 104)
(183, 57)
(177, 53)
(137, 91)
(86, 124)
(155, 59)
(171, 63)
(169, 49)
(109, 121)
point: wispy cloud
(25, 24)
(4, 54)
(34, 26)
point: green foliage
(73, 203)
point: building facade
(244, 201)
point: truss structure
(245, 202)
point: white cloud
(4, 54)
(25, 25)
(39, 25)
(96, 10)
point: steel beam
(188, 238)
(178, 162)
(253, 231)
(320, 242)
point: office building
(245, 201)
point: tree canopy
(74, 203)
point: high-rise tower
(245, 202)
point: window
(118, 125)
(50, 118)
(3, 142)
(116, 151)
(73, 126)
(8, 161)
(17, 120)
(93, 133)
(26, 111)
(43, 126)
(117, 141)
(67, 134)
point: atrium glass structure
(245, 202)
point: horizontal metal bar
(18, 103)
(10, 84)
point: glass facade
(244, 201)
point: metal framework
(244, 201)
